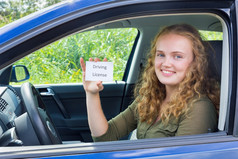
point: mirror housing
(19, 73)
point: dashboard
(10, 107)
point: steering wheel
(41, 122)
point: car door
(57, 75)
(218, 144)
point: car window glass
(59, 61)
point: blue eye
(178, 57)
(160, 55)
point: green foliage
(11, 10)
(211, 35)
(59, 61)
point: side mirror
(19, 73)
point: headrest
(217, 46)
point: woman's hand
(96, 118)
(92, 87)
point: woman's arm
(101, 130)
(121, 125)
(96, 118)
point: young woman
(178, 93)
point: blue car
(43, 107)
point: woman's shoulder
(133, 105)
(202, 100)
(202, 105)
(131, 109)
(201, 117)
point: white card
(99, 71)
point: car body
(65, 102)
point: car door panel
(71, 117)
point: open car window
(59, 62)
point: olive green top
(201, 118)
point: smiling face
(172, 58)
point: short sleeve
(120, 126)
(201, 118)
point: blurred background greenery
(11, 10)
(59, 62)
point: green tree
(11, 10)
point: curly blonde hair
(200, 80)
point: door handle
(48, 93)
(61, 107)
